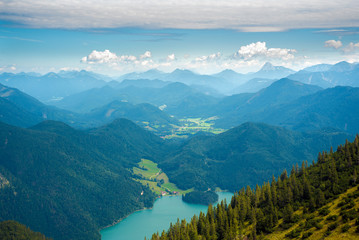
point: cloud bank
(252, 16)
(248, 56)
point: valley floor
(148, 174)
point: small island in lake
(200, 197)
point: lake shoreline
(165, 210)
(138, 210)
(119, 220)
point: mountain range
(176, 98)
(293, 105)
(340, 74)
(19, 109)
(285, 103)
(65, 170)
(54, 86)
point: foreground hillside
(68, 184)
(316, 202)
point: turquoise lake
(146, 222)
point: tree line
(253, 213)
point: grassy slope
(319, 233)
(147, 172)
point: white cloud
(69, 69)
(108, 60)
(254, 15)
(171, 57)
(100, 57)
(260, 50)
(333, 44)
(112, 59)
(147, 54)
(351, 48)
(127, 58)
(209, 58)
(8, 68)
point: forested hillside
(68, 184)
(245, 155)
(316, 202)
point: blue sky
(205, 36)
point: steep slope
(272, 72)
(316, 202)
(231, 76)
(253, 85)
(88, 100)
(67, 183)
(184, 101)
(145, 115)
(245, 155)
(124, 139)
(12, 114)
(333, 107)
(318, 68)
(20, 109)
(278, 93)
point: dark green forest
(200, 197)
(245, 155)
(67, 183)
(279, 204)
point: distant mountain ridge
(288, 103)
(65, 83)
(177, 98)
(246, 107)
(224, 81)
(20, 109)
(340, 74)
(51, 85)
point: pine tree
(355, 176)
